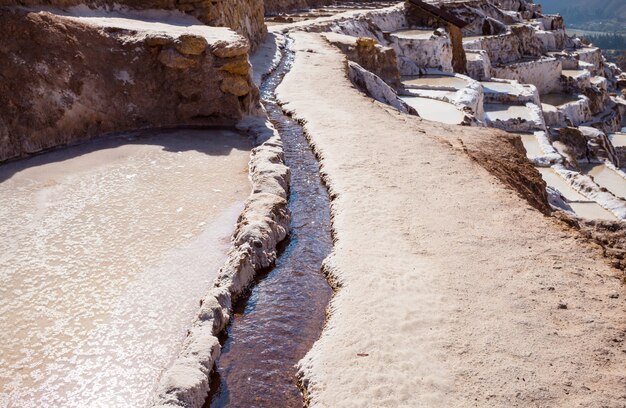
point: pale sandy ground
(450, 283)
(106, 250)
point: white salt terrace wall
(427, 51)
(510, 47)
(478, 64)
(544, 73)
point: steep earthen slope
(65, 79)
(452, 290)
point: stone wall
(243, 16)
(65, 81)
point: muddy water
(500, 88)
(106, 249)
(284, 314)
(581, 205)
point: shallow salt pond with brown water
(106, 249)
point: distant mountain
(581, 11)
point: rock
(191, 44)
(223, 49)
(238, 67)
(172, 59)
(158, 40)
(235, 85)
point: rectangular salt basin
(592, 211)
(558, 99)
(618, 139)
(532, 146)
(607, 178)
(414, 34)
(573, 73)
(499, 87)
(496, 111)
(554, 180)
(435, 111)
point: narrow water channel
(284, 315)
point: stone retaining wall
(64, 81)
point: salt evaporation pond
(532, 146)
(607, 178)
(573, 73)
(424, 34)
(558, 99)
(435, 111)
(107, 248)
(618, 139)
(440, 81)
(581, 205)
(500, 88)
(497, 111)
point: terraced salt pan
(107, 248)
(618, 139)
(414, 34)
(494, 111)
(558, 99)
(441, 81)
(552, 179)
(532, 146)
(500, 87)
(581, 205)
(435, 111)
(592, 211)
(607, 178)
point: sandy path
(450, 283)
(107, 249)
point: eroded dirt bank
(453, 290)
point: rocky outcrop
(243, 16)
(64, 80)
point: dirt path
(454, 291)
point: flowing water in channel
(283, 316)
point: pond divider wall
(263, 223)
